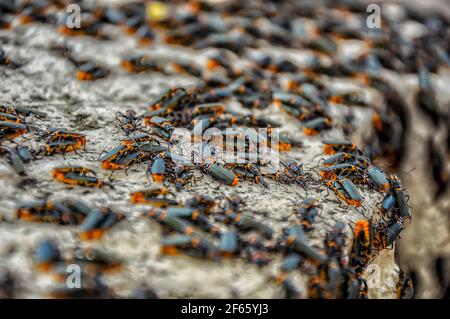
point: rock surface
(47, 83)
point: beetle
(292, 100)
(233, 42)
(121, 157)
(350, 98)
(196, 217)
(111, 155)
(61, 147)
(62, 212)
(234, 204)
(202, 203)
(142, 140)
(91, 71)
(186, 68)
(314, 126)
(175, 223)
(378, 179)
(34, 211)
(357, 288)
(46, 255)
(219, 59)
(168, 100)
(22, 112)
(388, 202)
(353, 192)
(348, 193)
(334, 171)
(78, 175)
(405, 287)
(298, 113)
(215, 108)
(426, 97)
(317, 285)
(145, 35)
(400, 197)
(182, 175)
(195, 245)
(362, 244)
(179, 225)
(295, 171)
(229, 244)
(170, 245)
(335, 275)
(387, 233)
(333, 146)
(98, 222)
(60, 140)
(334, 241)
(307, 212)
(34, 14)
(323, 44)
(337, 158)
(62, 50)
(125, 160)
(14, 160)
(246, 223)
(216, 95)
(297, 240)
(156, 196)
(289, 140)
(91, 25)
(5, 22)
(246, 171)
(6, 117)
(255, 251)
(257, 100)
(128, 121)
(158, 170)
(24, 153)
(162, 127)
(290, 262)
(284, 143)
(221, 173)
(140, 63)
(132, 21)
(11, 130)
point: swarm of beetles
(232, 28)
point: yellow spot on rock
(156, 11)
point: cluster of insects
(346, 168)
(93, 263)
(189, 229)
(149, 139)
(223, 34)
(92, 222)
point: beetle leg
(110, 175)
(77, 153)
